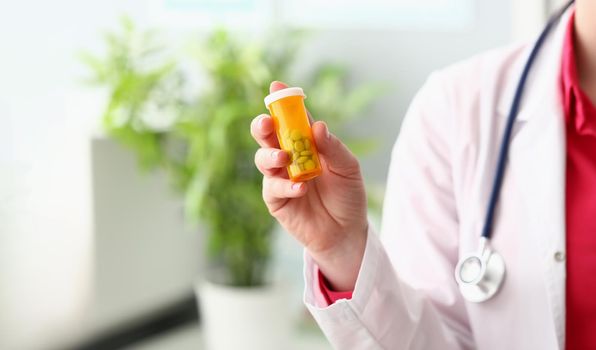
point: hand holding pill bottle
(327, 216)
(294, 133)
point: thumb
(276, 85)
(336, 154)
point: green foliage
(202, 139)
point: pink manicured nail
(275, 154)
(297, 186)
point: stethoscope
(481, 274)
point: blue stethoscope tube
(481, 274)
(501, 163)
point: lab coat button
(559, 256)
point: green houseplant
(201, 139)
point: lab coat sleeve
(405, 295)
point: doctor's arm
(405, 296)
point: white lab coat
(439, 181)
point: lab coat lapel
(537, 165)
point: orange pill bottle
(294, 133)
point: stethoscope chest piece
(480, 275)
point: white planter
(244, 318)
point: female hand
(327, 214)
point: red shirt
(330, 295)
(580, 207)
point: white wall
(46, 242)
(527, 17)
(46, 117)
(404, 59)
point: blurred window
(324, 14)
(382, 14)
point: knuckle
(265, 187)
(353, 160)
(258, 159)
(356, 165)
(335, 142)
(276, 189)
(353, 167)
(254, 134)
(254, 127)
(270, 188)
(253, 124)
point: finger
(263, 131)
(270, 161)
(276, 189)
(337, 156)
(277, 85)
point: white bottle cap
(279, 94)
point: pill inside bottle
(293, 131)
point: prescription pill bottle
(293, 132)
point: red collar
(577, 105)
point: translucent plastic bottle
(294, 133)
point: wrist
(341, 264)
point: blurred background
(126, 186)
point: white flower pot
(256, 318)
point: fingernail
(275, 154)
(297, 186)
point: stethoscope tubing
(505, 142)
